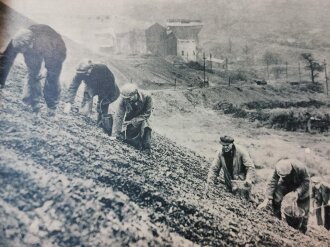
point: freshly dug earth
(63, 180)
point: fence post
(211, 61)
(286, 71)
(299, 72)
(326, 78)
(204, 58)
(227, 74)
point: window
(182, 53)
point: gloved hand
(264, 204)
(67, 108)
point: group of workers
(289, 175)
(40, 43)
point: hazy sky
(33, 7)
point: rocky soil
(64, 183)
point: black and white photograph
(180, 123)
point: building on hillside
(156, 39)
(216, 62)
(179, 38)
(186, 33)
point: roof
(183, 23)
(216, 60)
(156, 26)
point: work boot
(146, 151)
(36, 108)
(51, 112)
(146, 139)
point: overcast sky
(36, 7)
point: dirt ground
(65, 184)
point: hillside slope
(82, 167)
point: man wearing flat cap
(235, 162)
(99, 81)
(321, 195)
(290, 175)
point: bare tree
(270, 58)
(312, 65)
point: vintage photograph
(164, 123)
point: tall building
(186, 33)
(179, 37)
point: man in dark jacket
(290, 175)
(321, 195)
(235, 162)
(99, 81)
(37, 43)
(131, 122)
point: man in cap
(321, 195)
(99, 81)
(290, 175)
(131, 122)
(235, 162)
(38, 43)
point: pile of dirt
(168, 186)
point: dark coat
(44, 42)
(47, 42)
(322, 195)
(299, 180)
(99, 82)
(243, 167)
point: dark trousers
(320, 221)
(6, 61)
(102, 107)
(146, 138)
(33, 61)
(327, 217)
(280, 191)
(135, 137)
(52, 87)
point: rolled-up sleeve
(214, 170)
